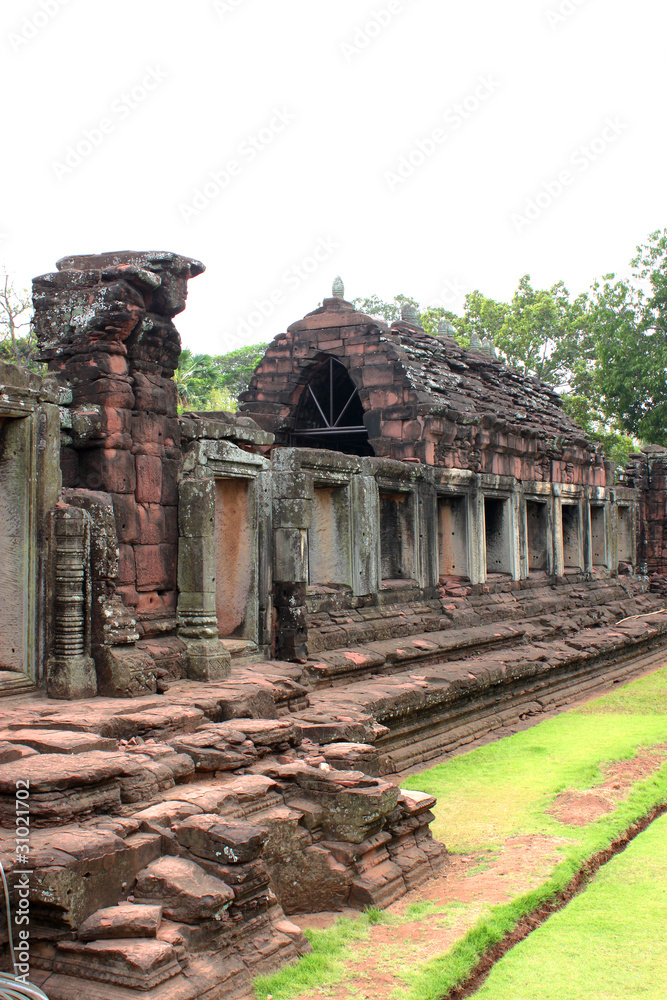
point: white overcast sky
(316, 103)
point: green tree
(387, 311)
(627, 320)
(214, 382)
(237, 367)
(17, 339)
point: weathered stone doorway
(573, 556)
(397, 536)
(453, 537)
(598, 536)
(329, 542)
(537, 522)
(498, 536)
(15, 554)
(626, 536)
(235, 560)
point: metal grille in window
(330, 413)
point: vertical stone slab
(364, 503)
(207, 658)
(476, 536)
(293, 499)
(427, 535)
(265, 567)
(71, 669)
(524, 555)
(587, 540)
(515, 527)
(104, 322)
(558, 555)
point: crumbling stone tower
(105, 327)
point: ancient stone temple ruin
(224, 637)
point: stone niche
(598, 535)
(397, 536)
(29, 485)
(235, 559)
(626, 536)
(497, 530)
(537, 523)
(14, 543)
(453, 536)
(573, 554)
(329, 538)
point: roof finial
(409, 314)
(445, 328)
(338, 288)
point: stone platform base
(173, 834)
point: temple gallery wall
(214, 626)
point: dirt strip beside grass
(533, 920)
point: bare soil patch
(471, 884)
(476, 881)
(579, 808)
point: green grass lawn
(503, 790)
(609, 943)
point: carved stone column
(70, 667)
(207, 657)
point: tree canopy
(206, 382)
(604, 351)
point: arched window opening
(330, 413)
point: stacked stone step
(433, 709)
(337, 627)
(156, 866)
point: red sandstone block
(170, 524)
(377, 375)
(149, 479)
(152, 605)
(412, 430)
(127, 517)
(172, 433)
(69, 466)
(151, 524)
(116, 421)
(155, 394)
(169, 495)
(281, 365)
(148, 428)
(156, 567)
(105, 392)
(380, 399)
(126, 566)
(392, 428)
(330, 345)
(110, 470)
(128, 596)
(426, 452)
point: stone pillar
(587, 540)
(516, 513)
(476, 537)
(70, 667)
(104, 323)
(427, 535)
(612, 534)
(293, 500)
(365, 528)
(207, 657)
(558, 556)
(265, 569)
(524, 557)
